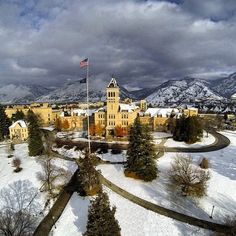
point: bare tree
(18, 215)
(191, 180)
(52, 177)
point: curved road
(220, 143)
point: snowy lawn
(113, 157)
(204, 142)
(160, 135)
(30, 168)
(71, 153)
(221, 191)
(133, 219)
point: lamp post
(212, 211)
(54, 222)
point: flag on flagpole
(84, 63)
(83, 81)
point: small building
(19, 131)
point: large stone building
(115, 113)
(45, 112)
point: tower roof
(113, 83)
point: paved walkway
(55, 212)
(164, 211)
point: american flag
(83, 63)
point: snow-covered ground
(133, 219)
(221, 191)
(160, 135)
(71, 153)
(206, 140)
(113, 157)
(30, 168)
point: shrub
(116, 151)
(190, 180)
(16, 163)
(102, 150)
(204, 163)
(12, 147)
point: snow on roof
(233, 96)
(128, 107)
(79, 112)
(164, 112)
(20, 122)
(103, 109)
(113, 83)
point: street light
(212, 211)
(54, 222)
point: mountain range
(171, 92)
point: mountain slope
(225, 86)
(75, 91)
(13, 93)
(182, 91)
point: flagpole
(87, 83)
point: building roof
(21, 123)
(127, 107)
(79, 112)
(113, 83)
(164, 112)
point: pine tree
(4, 124)
(35, 143)
(88, 177)
(101, 218)
(188, 129)
(141, 153)
(19, 115)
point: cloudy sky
(142, 43)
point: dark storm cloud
(141, 42)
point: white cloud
(141, 43)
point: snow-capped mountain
(75, 91)
(172, 92)
(13, 93)
(182, 91)
(225, 86)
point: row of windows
(111, 94)
(124, 116)
(124, 122)
(101, 115)
(19, 130)
(112, 123)
(111, 116)
(101, 122)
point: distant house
(19, 131)
(233, 97)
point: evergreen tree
(19, 115)
(35, 143)
(101, 218)
(188, 129)
(4, 124)
(88, 177)
(141, 153)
